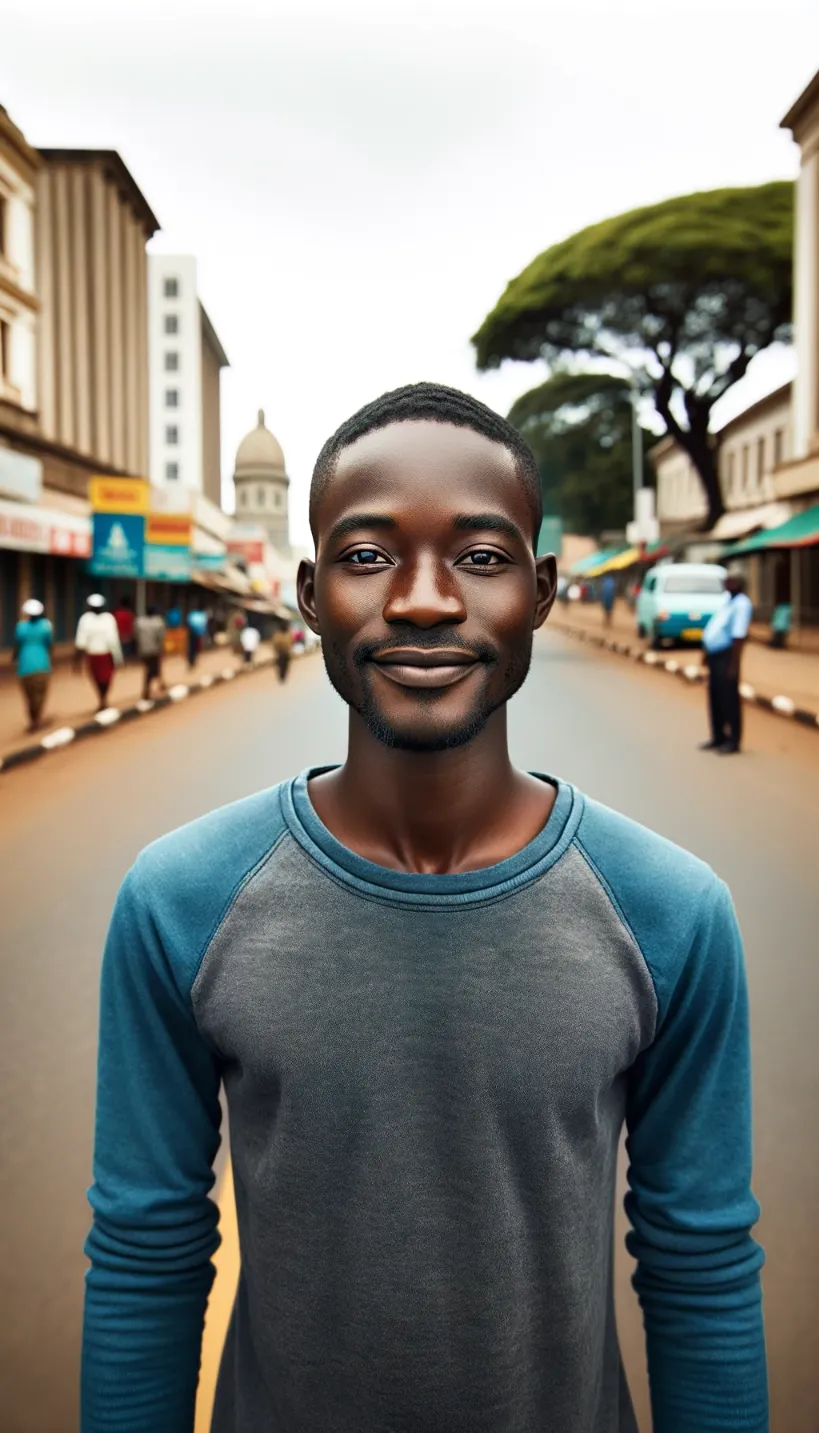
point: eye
(484, 557)
(364, 557)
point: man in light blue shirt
(723, 640)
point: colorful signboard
(119, 495)
(119, 544)
(34, 529)
(168, 529)
(166, 562)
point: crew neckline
(408, 888)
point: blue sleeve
(689, 1139)
(690, 1202)
(154, 1230)
(741, 617)
(158, 1114)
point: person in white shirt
(98, 641)
(250, 639)
(723, 640)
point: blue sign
(210, 561)
(119, 542)
(164, 563)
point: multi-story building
(74, 399)
(186, 359)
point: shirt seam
(628, 928)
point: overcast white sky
(360, 180)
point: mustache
(431, 641)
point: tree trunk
(696, 442)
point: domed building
(262, 485)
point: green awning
(799, 531)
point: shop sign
(166, 562)
(21, 476)
(32, 529)
(168, 529)
(119, 542)
(125, 496)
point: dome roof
(259, 453)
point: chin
(423, 736)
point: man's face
(425, 590)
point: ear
(546, 570)
(306, 594)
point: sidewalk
(72, 699)
(770, 673)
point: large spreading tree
(681, 294)
(579, 426)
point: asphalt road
(71, 825)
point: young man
(433, 986)
(723, 640)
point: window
(730, 476)
(746, 463)
(778, 446)
(5, 348)
(277, 498)
(171, 288)
(171, 472)
(172, 435)
(760, 460)
(693, 584)
(171, 362)
(171, 397)
(260, 497)
(171, 323)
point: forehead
(423, 465)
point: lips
(413, 668)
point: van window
(704, 583)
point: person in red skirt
(98, 641)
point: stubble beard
(366, 705)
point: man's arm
(154, 1230)
(691, 1205)
(740, 627)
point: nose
(425, 594)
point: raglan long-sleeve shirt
(427, 1078)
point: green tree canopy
(683, 293)
(579, 428)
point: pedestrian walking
(98, 640)
(435, 987)
(125, 618)
(250, 638)
(197, 623)
(150, 640)
(33, 640)
(282, 649)
(723, 640)
(608, 592)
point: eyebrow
(464, 522)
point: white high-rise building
(185, 360)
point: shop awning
(802, 530)
(626, 558)
(584, 567)
(733, 525)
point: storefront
(43, 553)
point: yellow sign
(119, 495)
(168, 529)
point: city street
(72, 824)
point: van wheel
(656, 642)
(641, 631)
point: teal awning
(802, 530)
(594, 559)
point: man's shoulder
(189, 878)
(660, 890)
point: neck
(434, 812)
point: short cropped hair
(431, 401)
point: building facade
(74, 398)
(186, 360)
(262, 486)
